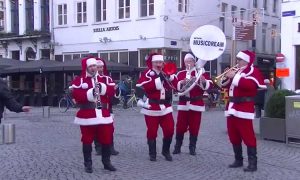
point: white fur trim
(158, 84)
(157, 112)
(94, 121)
(240, 114)
(189, 106)
(103, 88)
(172, 77)
(236, 79)
(207, 84)
(79, 86)
(147, 76)
(179, 85)
(189, 56)
(100, 63)
(257, 83)
(91, 61)
(243, 56)
(156, 58)
(90, 95)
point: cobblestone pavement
(50, 148)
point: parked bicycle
(132, 101)
(66, 102)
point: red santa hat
(153, 57)
(85, 63)
(101, 62)
(247, 56)
(189, 56)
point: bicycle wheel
(63, 105)
(134, 105)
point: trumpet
(235, 68)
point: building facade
(27, 30)
(290, 42)
(126, 31)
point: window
(62, 14)
(275, 6)
(265, 5)
(233, 11)
(29, 15)
(298, 27)
(15, 16)
(74, 56)
(222, 23)
(15, 55)
(273, 39)
(124, 9)
(264, 36)
(45, 15)
(81, 12)
(45, 53)
(183, 6)
(100, 10)
(243, 14)
(124, 58)
(224, 8)
(114, 57)
(255, 3)
(146, 8)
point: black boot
(177, 147)
(106, 158)
(152, 149)
(114, 152)
(252, 159)
(192, 146)
(98, 148)
(87, 156)
(238, 155)
(166, 149)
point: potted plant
(272, 125)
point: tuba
(207, 43)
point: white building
(126, 31)
(27, 33)
(290, 42)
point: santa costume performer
(191, 105)
(103, 73)
(90, 91)
(243, 86)
(157, 109)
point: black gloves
(162, 77)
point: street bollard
(46, 111)
(9, 133)
(1, 134)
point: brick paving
(50, 148)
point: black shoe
(87, 156)
(238, 155)
(88, 167)
(192, 146)
(166, 149)
(106, 158)
(152, 149)
(177, 147)
(252, 160)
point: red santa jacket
(244, 84)
(83, 95)
(198, 90)
(155, 89)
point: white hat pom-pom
(152, 73)
(84, 86)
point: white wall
(289, 39)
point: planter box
(272, 129)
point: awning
(46, 65)
(5, 62)
(33, 66)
